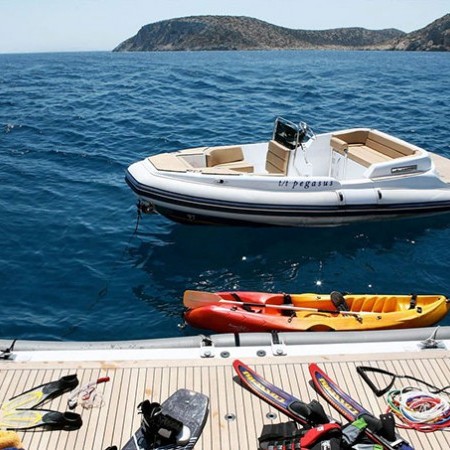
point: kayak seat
(378, 304)
(389, 305)
(364, 303)
(374, 304)
(338, 301)
(230, 157)
(277, 158)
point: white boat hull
(322, 209)
(318, 186)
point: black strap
(388, 426)
(279, 431)
(156, 425)
(317, 412)
(413, 301)
(313, 412)
(384, 425)
(239, 299)
(236, 297)
(287, 300)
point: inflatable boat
(236, 312)
(298, 178)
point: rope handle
(378, 392)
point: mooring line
(104, 291)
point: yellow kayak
(259, 311)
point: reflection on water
(373, 257)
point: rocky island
(434, 37)
(245, 33)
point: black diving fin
(25, 419)
(40, 394)
(20, 413)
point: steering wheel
(307, 131)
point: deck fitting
(431, 342)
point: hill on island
(433, 37)
(245, 33)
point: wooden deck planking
(131, 382)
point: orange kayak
(236, 312)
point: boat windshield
(287, 133)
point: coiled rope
(419, 410)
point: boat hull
(296, 220)
(371, 313)
(190, 208)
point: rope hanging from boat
(104, 290)
(138, 219)
(419, 410)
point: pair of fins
(21, 412)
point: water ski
(175, 424)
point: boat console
(291, 135)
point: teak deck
(132, 381)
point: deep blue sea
(71, 266)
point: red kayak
(235, 312)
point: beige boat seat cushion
(368, 147)
(228, 158)
(169, 162)
(277, 158)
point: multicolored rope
(419, 410)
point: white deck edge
(232, 346)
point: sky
(28, 26)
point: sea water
(72, 265)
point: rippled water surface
(71, 266)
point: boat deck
(442, 166)
(133, 381)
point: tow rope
(419, 410)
